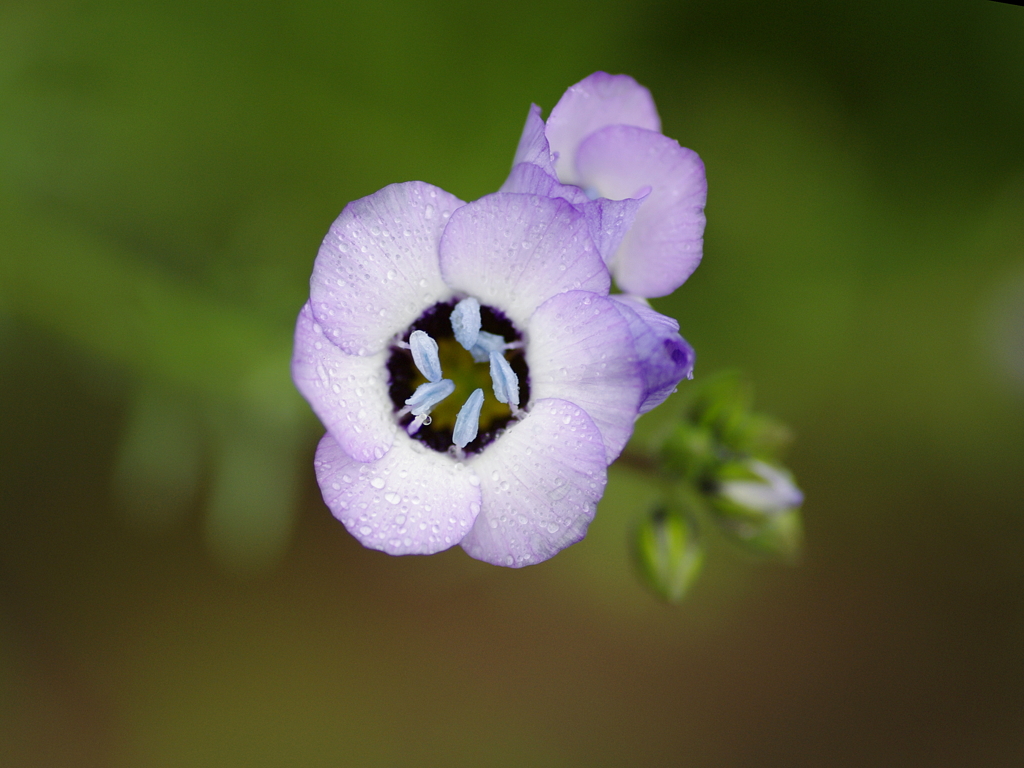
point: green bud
(778, 536)
(668, 552)
(689, 452)
(721, 404)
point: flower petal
(665, 356)
(377, 268)
(580, 349)
(514, 252)
(414, 501)
(607, 220)
(540, 484)
(348, 393)
(533, 144)
(591, 104)
(531, 179)
(666, 241)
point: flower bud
(760, 489)
(758, 506)
(668, 552)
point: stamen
(505, 381)
(466, 322)
(423, 399)
(468, 421)
(485, 344)
(424, 354)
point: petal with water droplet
(581, 350)
(515, 251)
(351, 294)
(540, 484)
(376, 506)
(348, 393)
(593, 103)
(666, 241)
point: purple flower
(602, 149)
(413, 291)
(474, 376)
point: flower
(602, 145)
(416, 298)
(409, 279)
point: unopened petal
(414, 501)
(377, 269)
(348, 393)
(593, 103)
(540, 484)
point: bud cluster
(721, 467)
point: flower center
(458, 376)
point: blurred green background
(173, 592)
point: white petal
(377, 269)
(414, 501)
(540, 484)
(513, 252)
(348, 393)
(580, 349)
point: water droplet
(377, 482)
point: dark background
(173, 591)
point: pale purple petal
(516, 251)
(377, 269)
(666, 241)
(665, 356)
(348, 393)
(531, 179)
(540, 484)
(533, 144)
(607, 220)
(580, 349)
(414, 501)
(592, 104)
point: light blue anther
(504, 379)
(468, 421)
(466, 322)
(485, 344)
(424, 354)
(428, 395)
